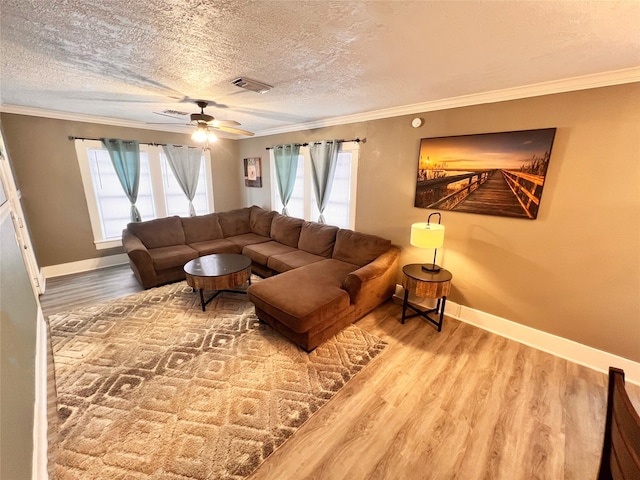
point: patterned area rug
(151, 387)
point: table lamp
(428, 235)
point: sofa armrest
(139, 259)
(372, 284)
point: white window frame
(157, 186)
(350, 147)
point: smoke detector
(253, 85)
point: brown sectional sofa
(317, 278)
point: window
(340, 210)
(159, 194)
(296, 206)
(177, 203)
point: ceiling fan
(206, 124)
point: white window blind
(296, 205)
(338, 209)
(112, 203)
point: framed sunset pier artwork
(490, 173)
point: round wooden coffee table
(219, 272)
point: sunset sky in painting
(508, 150)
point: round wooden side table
(422, 283)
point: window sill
(104, 244)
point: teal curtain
(286, 161)
(185, 162)
(125, 156)
(324, 158)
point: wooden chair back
(621, 448)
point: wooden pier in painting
(495, 192)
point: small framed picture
(252, 172)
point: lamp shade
(427, 235)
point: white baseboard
(84, 265)
(546, 342)
(40, 423)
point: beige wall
(556, 273)
(18, 318)
(47, 173)
(574, 271)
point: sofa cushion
(260, 252)
(313, 306)
(305, 297)
(286, 230)
(248, 239)
(359, 248)
(335, 271)
(235, 222)
(317, 238)
(288, 261)
(260, 221)
(221, 245)
(168, 257)
(201, 228)
(161, 232)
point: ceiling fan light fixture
(200, 134)
(252, 85)
(211, 137)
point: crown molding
(606, 79)
(617, 77)
(81, 117)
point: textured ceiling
(326, 59)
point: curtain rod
(356, 140)
(141, 143)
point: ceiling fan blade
(224, 123)
(210, 103)
(168, 123)
(234, 130)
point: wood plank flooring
(461, 404)
(81, 289)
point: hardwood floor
(80, 289)
(461, 404)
